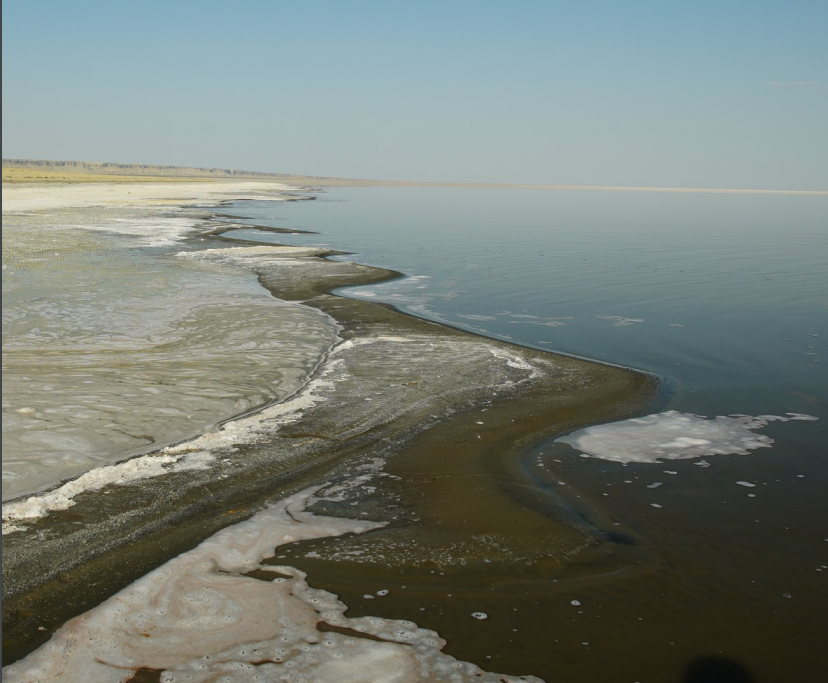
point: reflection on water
(110, 350)
(703, 289)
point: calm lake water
(725, 298)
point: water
(724, 296)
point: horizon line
(123, 169)
(541, 186)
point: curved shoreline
(54, 569)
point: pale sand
(16, 171)
(137, 192)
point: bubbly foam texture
(675, 436)
(198, 618)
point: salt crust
(675, 436)
(143, 467)
(198, 619)
(256, 251)
(199, 453)
(38, 197)
(515, 361)
(193, 454)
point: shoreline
(19, 171)
(157, 519)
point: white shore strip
(39, 197)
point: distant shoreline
(50, 171)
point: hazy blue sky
(662, 93)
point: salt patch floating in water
(199, 618)
(620, 320)
(471, 316)
(675, 436)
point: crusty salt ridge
(675, 436)
(198, 618)
(191, 455)
(144, 467)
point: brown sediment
(456, 495)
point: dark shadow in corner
(716, 670)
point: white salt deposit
(620, 320)
(278, 251)
(515, 361)
(675, 436)
(199, 452)
(194, 454)
(198, 618)
(111, 351)
(144, 467)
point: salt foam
(675, 436)
(198, 618)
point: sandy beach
(384, 405)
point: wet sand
(448, 412)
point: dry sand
(28, 171)
(132, 191)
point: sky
(722, 94)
